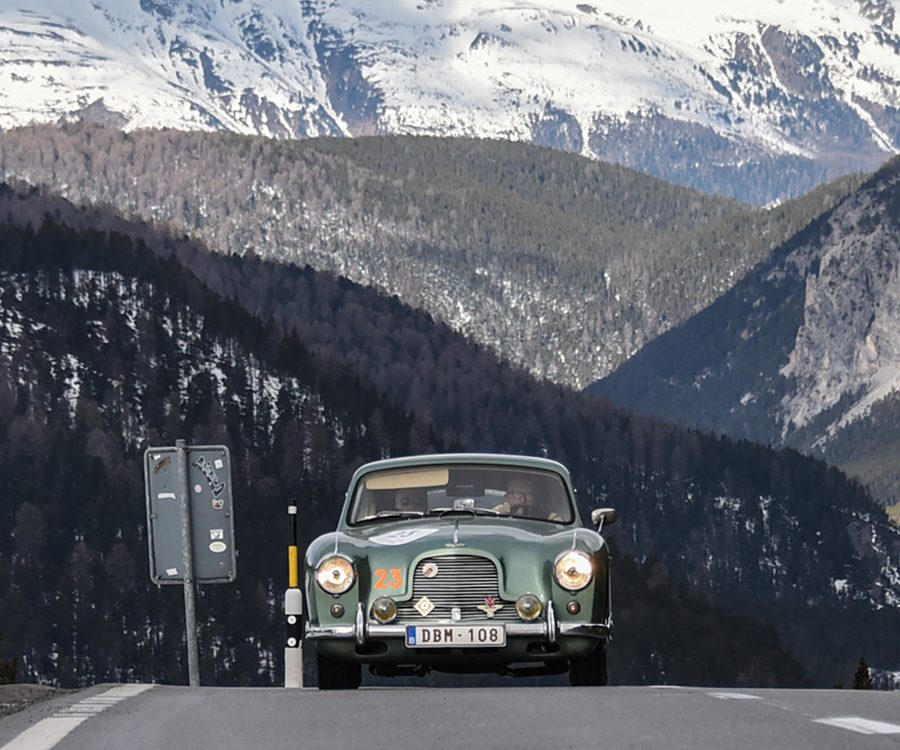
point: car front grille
(464, 582)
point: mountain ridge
(763, 102)
(802, 351)
(561, 264)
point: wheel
(337, 675)
(590, 670)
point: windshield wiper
(531, 518)
(441, 512)
(393, 514)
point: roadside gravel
(15, 698)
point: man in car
(523, 499)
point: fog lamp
(529, 607)
(384, 609)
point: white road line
(48, 732)
(734, 696)
(860, 725)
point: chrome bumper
(550, 629)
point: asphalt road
(169, 718)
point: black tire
(589, 671)
(337, 675)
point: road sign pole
(190, 602)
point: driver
(521, 499)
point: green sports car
(460, 563)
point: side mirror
(603, 517)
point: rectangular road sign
(211, 512)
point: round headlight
(529, 607)
(384, 609)
(573, 570)
(335, 574)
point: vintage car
(460, 563)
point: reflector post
(293, 610)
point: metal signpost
(190, 520)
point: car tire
(590, 670)
(337, 675)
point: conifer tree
(8, 667)
(862, 680)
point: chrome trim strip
(590, 629)
(534, 630)
(316, 632)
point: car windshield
(490, 491)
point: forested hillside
(105, 349)
(749, 529)
(804, 351)
(560, 264)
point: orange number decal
(395, 581)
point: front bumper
(550, 629)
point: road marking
(735, 696)
(48, 732)
(860, 725)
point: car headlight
(573, 570)
(335, 574)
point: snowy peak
(243, 67)
(694, 95)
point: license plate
(448, 636)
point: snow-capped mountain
(780, 95)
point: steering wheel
(528, 510)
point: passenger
(411, 501)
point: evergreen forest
(562, 265)
(115, 336)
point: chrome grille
(463, 581)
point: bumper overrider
(550, 629)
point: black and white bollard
(293, 611)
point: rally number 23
(388, 579)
